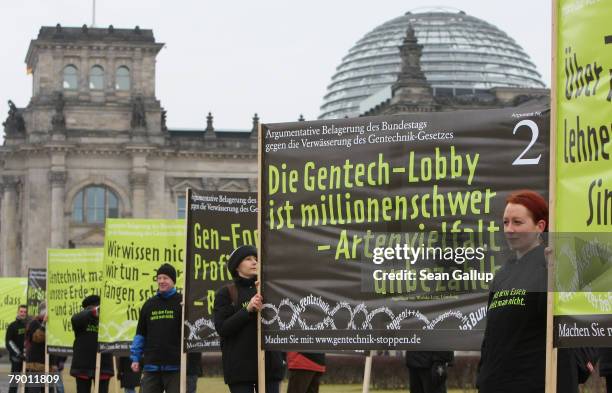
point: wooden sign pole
(115, 370)
(367, 373)
(46, 366)
(45, 319)
(551, 353)
(183, 377)
(97, 375)
(261, 355)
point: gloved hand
(438, 373)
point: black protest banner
(342, 197)
(37, 288)
(217, 223)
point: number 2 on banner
(534, 137)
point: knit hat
(238, 255)
(91, 300)
(168, 270)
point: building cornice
(71, 149)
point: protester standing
(158, 336)
(14, 341)
(235, 317)
(514, 347)
(85, 348)
(35, 338)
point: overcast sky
(235, 58)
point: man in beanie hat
(235, 317)
(157, 343)
(14, 340)
(85, 348)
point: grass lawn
(216, 385)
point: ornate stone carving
(10, 182)
(255, 124)
(139, 115)
(239, 185)
(139, 180)
(164, 126)
(210, 183)
(57, 178)
(209, 123)
(14, 123)
(58, 121)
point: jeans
(192, 383)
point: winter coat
(85, 346)
(14, 340)
(514, 347)
(605, 362)
(306, 361)
(35, 336)
(238, 330)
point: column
(138, 182)
(10, 227)
(57, 178)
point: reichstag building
(92, 142)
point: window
(93, 204)
(122, 78)
(96, 78)
(71, 78)
(180, 206)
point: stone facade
(108, 133)
(79, 132)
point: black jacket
(85, 347)
(160, 325)
(513, 351)
(35, 352)
(238, 330)
(605, 362)
(15, 336)
(426, 359)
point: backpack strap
(233, 292)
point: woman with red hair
(514, 347)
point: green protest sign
(133, 250)
(12, 293)
(72, 275)
(583, 204)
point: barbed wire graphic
(354, 311)
(200, 326)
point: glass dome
(462, 55)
